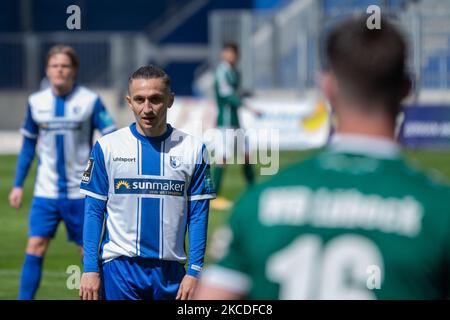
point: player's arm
(233, 101)
(95, 186)
(197, 229)
(92, 230)
(226, 280)
(199, 193)
(447, 256)
(30, 131)
(226, 91)
(229, 95)
(208, 292)
(229, 277)
(101, 119)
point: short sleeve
(30, 128)
(447, 256)
(101, 118)
(94, 182)
(223, 85)
(232, 271)
(201, 185)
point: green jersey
(226, 87)
(352, 222)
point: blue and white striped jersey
(64, 127)
(150, 185)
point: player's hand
(187, 288)
(246, 94)
(90, 286)
(256, 112)
(15, 197)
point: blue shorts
(45, 215)
(138, 278)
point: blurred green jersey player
(227, 82)
(356, 221)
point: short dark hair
(370, 64)
(232, 46)
(150, 72)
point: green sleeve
(233, 101)
(225, 89)
(235, 256)
(447, 257)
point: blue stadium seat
(9, 16)
(182, 76)
(13, 70)
(99, 15)
(430, 73)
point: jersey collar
(143, 138)
(226, 65)
(376, 147)
(67, 95)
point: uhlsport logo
(124, 159)
(165, 187)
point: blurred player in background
(62, 118)
(150, 183)
(355, 221)
(229, 99)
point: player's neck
(62, 90)
(152, 132)
(232, 65)
(376, 126)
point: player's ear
(46, 71)
(74, 73)
(329, 87)
(128, 100)
(406, 87)
(171, 99)
(327, 83)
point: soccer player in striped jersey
(355, 221)
(147, 184)
(60, 120)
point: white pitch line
(54, 274)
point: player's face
(149, 99)
(230, 56)
(60, 71)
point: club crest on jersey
(175, 161)
(88, 171)
(76, 110)
(209, 186)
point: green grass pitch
(14, 224)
